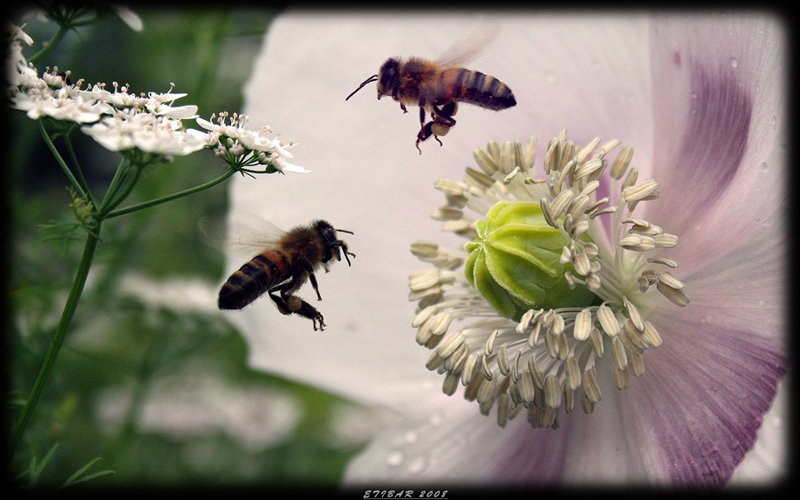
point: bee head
(332, 241)
(388, 77)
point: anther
(608, 320)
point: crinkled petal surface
(668, 86)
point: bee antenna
(368, 80)
(346, 253)
(342, 243)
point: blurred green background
(156, 387)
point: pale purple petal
(731, 340)
(718, 162)
(719, 95)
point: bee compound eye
(388, 77)
(388, 73)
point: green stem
(62, 30)
(58, 339)
(77, 185)
(174, 196)
(114, 185)
(110, 203)
(79, 172)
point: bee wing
(468, 46)
(244, 234)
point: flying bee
(284, 266)
(438, 86)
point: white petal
(369, 178)
(129, 17)
(290, 167)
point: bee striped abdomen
(253, 279)
(483, 90)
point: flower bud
(515, 262)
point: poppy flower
(699, 98)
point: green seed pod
(514, 262)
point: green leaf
(75, 478)
(34, 471)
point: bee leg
(291, 304)
(441, 123)
(424, 134)
(395, 92)
(444, 115)
(303, 308)
(313, 279)
(346, 253)
(424, 129)
(443, 120)
(319, 318)
(448, 110)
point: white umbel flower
(147, 132)
(244, 148)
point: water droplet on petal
(734, 63)
(394, 458)
(410, 437)
(417, 465)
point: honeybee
(288, 260)
(438, 86)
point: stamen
(573, 374)
(552, 392)
(511, 349)
(676, 296)
(670, 281)
(660, 260)
(608, 320)
(583, 325)
(633, 313)
(621, 162)
(586, 150)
